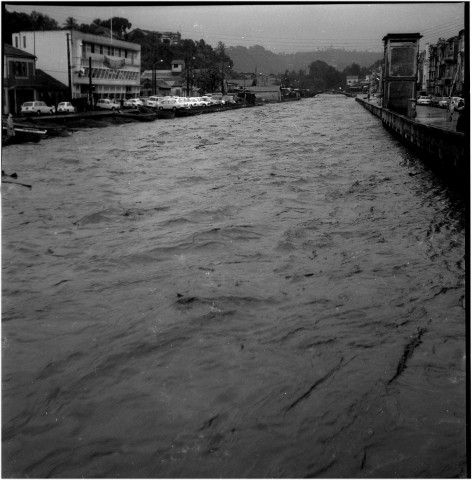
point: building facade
(23, 82)
(102, 65)
(446, 71)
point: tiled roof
(11, 51)
(49, 82)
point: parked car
(194, 102)
(36, 107)
(170, 104)
(184, 102)
(132, 102)
(423, 100)
(107, 104)
(66, 107)
(443, 102)
(228, 99)
(207, 101)
(153, 101)
(218, 100)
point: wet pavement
(433, 116)
(436, 117)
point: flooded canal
(275, 291)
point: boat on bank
(23, 134)
(140, 115)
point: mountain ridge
(258, 59)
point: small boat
(138, 115)
(51, 130)
(23, 134)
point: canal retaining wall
(437, 146)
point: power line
(449, 27)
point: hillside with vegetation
(209, 66)
(249, 59)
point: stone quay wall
(437, 146)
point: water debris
(209, 422)
(408, 351)
(186, 300)
(17, 183)
(307, 393)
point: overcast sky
(277, 27)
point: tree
(14, 22)
(71, 24)
(354, 69)
(42, 22)
(119, 25)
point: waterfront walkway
(433, 116)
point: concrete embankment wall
(439, 147)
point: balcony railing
(98, 60)
(12, 81)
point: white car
(133, 102)
(170, 104)
(153, 101)
(423, 100)
(228, 99)
(108, 104)
(184, 102)
(65, 107)
(194, 102)
(443, 102)
(207, 101)
(36, 107)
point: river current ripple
(270, 292)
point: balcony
(34, 81)
(99, 59)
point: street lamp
(223, 77)
(154, 75)
(189, 64)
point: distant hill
(257, 57)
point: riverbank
(442, 148)
(67, 123)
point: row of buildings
(58, 65)
(61, 65)
(440, 69)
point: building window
(16, 42)
(20, 69)
(101, 49)
(119, 54)
(24, 41)
(92, 48)
(126, 53)
(109, 50)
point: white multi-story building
(106, 66)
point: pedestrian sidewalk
(436, 117)
(433, 116)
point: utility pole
(69, 66)
(188, 67)
(90, 82)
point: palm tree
(70, 23)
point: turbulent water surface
(269, 292)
